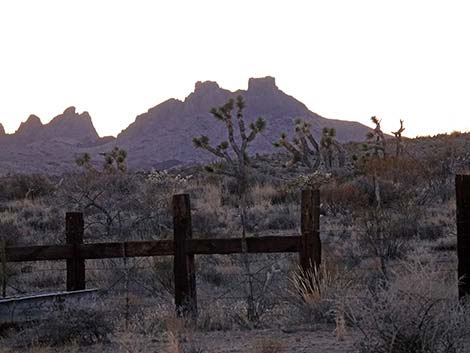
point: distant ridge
(162, 136)
(165, 131)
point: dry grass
(320, 293)
(268, 345)
(180, 336)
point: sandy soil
(249, 341)
(297, 341)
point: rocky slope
(161, 137)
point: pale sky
(343, 59)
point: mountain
(50, 148)
(163, 134)
(161, 137)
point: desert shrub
(285, 196)
(385, 235)
(150, 322)
(412, 314)
(276, 217)
(10, 232)
(212, 276)
(21, 186)
(431, 231)
(215, 318)
(281, 217)
(114, 204)
(206, 222)
(41, 218)
(343, 198)
(319, 293)
(180, 336)
(65, 326)
(162, 277)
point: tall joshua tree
(233, 152)
(376, 142)
(237, 163)
(328, 143)
(115, 160)
(303, 148)
(84, 161)
(376, 138)
(398, 139)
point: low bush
(25, 186)
(65, 326)
(412, 314)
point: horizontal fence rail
(265, 244)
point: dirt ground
(298, 340)
(264, 341)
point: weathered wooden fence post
(183, 266)
(3, 267)
(74, 228)
(310, 253)
(462, 187)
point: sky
(346, 59)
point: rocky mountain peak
(31, 125)
(72, 125)
(33, 119)
(70, 111)
(267, 83)
(2, 130)
(205, 87)
(206, 94)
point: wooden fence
(462, 187)
(183, 248)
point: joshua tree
(303, 148)
(398, 139)
(376, 142)
(328, 142)
(84, 161)
(233, 152)
(376, 139)
(237, 164)
(115, 160)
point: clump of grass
(319, 294)
(180, 336)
